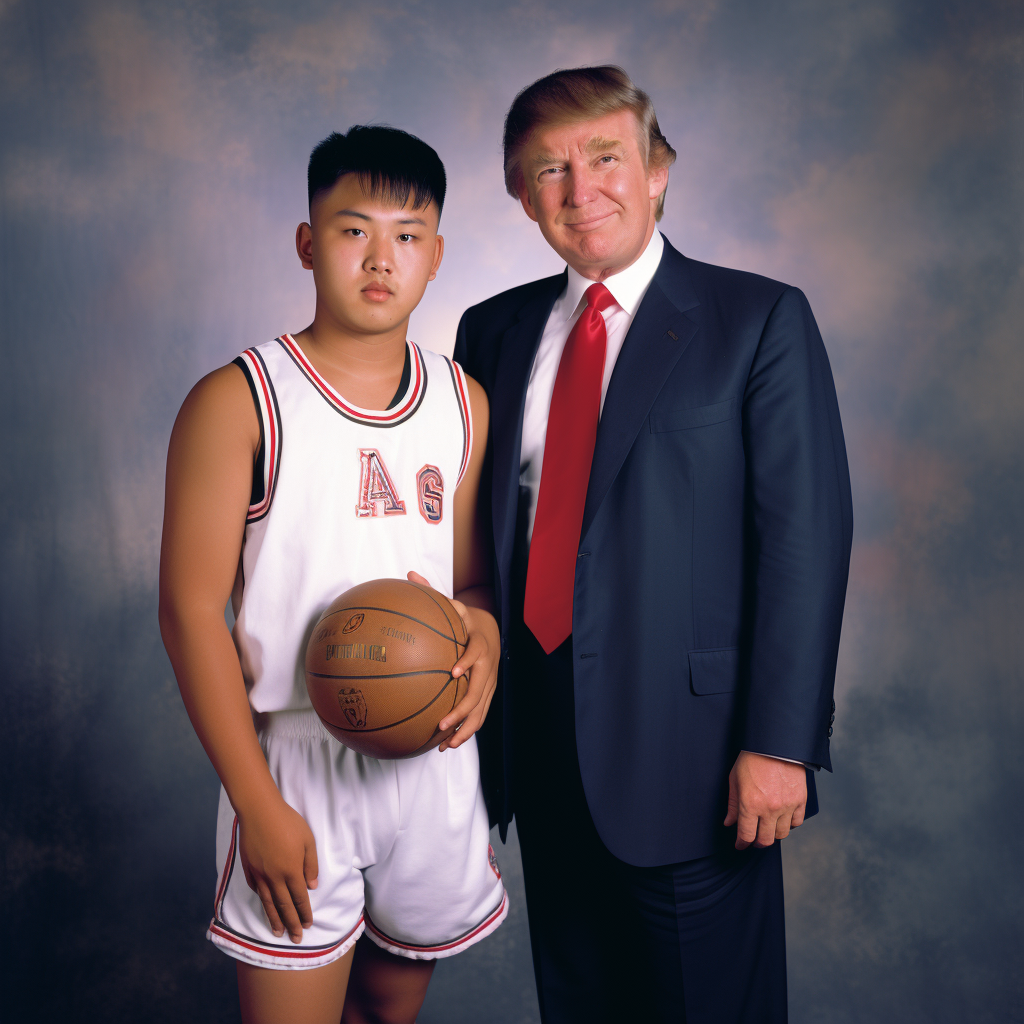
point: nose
(582, 188)
(379, 259)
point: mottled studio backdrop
(152, 161)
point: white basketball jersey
(348, 495)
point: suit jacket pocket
(673, 418)
(714, 671)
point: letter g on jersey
(430, 491)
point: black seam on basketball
(402, 721)
(423, 590)
(445, 614)
(391, 611)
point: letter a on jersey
(377, 494)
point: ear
(657, 181)
(438, 253)
(524, 198)
(304, 245)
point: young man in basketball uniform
(312, 463)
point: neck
(364, 368)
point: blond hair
(581, 94)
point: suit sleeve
(461, 354)
(801, 525)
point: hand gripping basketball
(479, 663)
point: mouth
(589, 223)
(377, 291)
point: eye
(405, 238)
(607, 159)
(354, 232)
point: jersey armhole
(268, 455)
(466, 413)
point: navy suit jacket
(713, 559)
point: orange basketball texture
(378, 667)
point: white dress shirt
(628, 288)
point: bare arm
(473, 598)
(209, 481)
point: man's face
(587, 188)
(371, 261)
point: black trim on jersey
(462, 413)
(403, 384)
(256, 494)
(362, 419)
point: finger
(273, 917)
(765, 831)
(415, 577)
(300, 900)
(798, 815)
(733, 812)
(475, 649)
(783, 826)
(746, 828)
(472, 697)
(310, 865)
(286, 909)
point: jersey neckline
(405, 407)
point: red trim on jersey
(462, 393)
(276, 951)
(460, 941)
(226, 873)
(256, 365)
(332, 396)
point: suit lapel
(518, 347)
(658, 336)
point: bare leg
(315, 996)
(385, 989)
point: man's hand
(767, 798)
(480, 661)
(278, 856)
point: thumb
(415, 577)
(310, 866)
(733, 813)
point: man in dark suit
(671, 515)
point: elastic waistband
(303, 724)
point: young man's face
(588, 189)
(371, 262)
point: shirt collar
(628, 287)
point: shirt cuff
(806, 764)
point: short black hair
(390, 163)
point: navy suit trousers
(700, 942)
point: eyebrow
(593, 145)
(363, 216)
(597, 142)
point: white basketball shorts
(402, 850)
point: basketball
(379, 667)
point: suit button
(830, 730)
(833, 707)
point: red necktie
(568, 453)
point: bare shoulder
(478, 404)
(218, 411)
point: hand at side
(767, 798)
(278, 855)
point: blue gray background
(151, 177)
